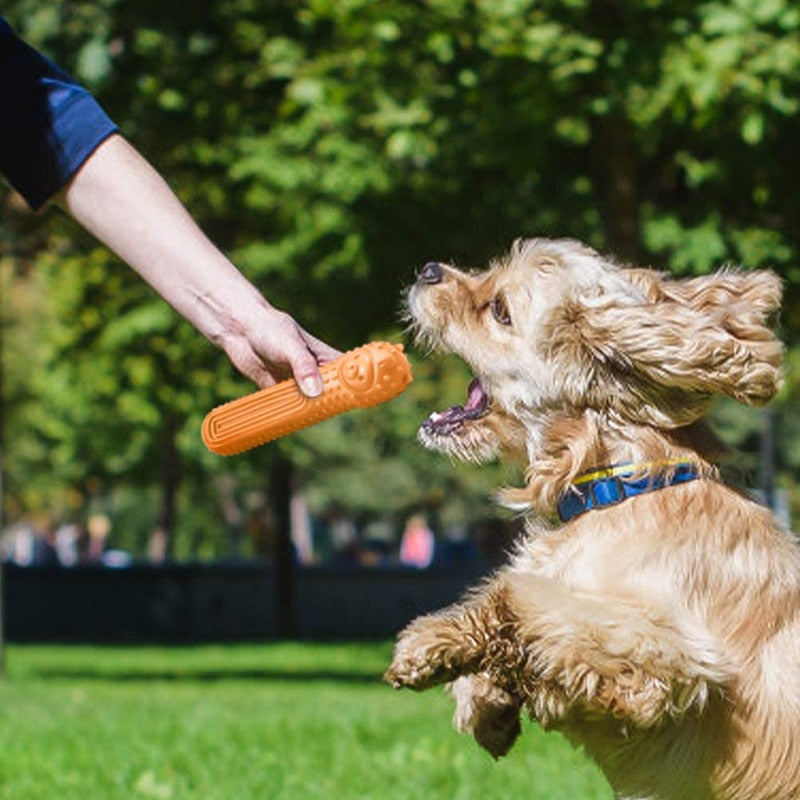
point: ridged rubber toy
(367, 376)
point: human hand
(273, 346)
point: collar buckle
(606, 492)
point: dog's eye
(500, 310)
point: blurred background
(331, 147)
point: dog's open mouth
(444, 423)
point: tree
(332, 147)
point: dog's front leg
(439, 647)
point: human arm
(121, 199)
(55, 137)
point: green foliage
(331, 148)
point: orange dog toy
(360, 378)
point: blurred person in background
(417, 544)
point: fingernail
(311, 385)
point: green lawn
(274, 722)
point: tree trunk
(767, 457)
(280, 497)
(614, 172)
(613, 146)
(170, 479)
(232, 512)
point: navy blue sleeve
(49, 124)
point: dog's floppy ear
(701, 337)
(744, 300)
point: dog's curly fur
(662, 634)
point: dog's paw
(412, 670)
(426, 654)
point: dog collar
(611, 485)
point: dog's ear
(691, 339)
(745, 300)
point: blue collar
(607, 487)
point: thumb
(306, 372)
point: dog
(651, 613)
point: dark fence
(197, 603)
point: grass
(275, 722)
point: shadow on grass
(210, 676)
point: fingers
(305, 363)
(323, 352)
(252, 366)
(279, 350)
(306, 371)
(304, 353)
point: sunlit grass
(281, 722)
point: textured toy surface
(363, 377)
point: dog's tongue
(446, 421)
(476, 398)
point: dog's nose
(432, 272)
